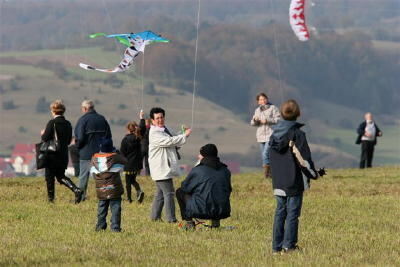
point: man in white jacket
(163, 162)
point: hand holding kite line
(136, 43)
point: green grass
(349, 218)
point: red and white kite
(298, 20)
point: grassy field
(349, 217)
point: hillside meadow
(212, 122)
(350, 217)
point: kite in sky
(298, 20)
(136, 43)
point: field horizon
(349, 217)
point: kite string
(142, 96)
(195, 62)
(116, 47)
(276, 51)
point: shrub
(9, 105)
(42, 105)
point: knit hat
(106, 145)
(209, 150)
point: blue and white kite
(136, 43)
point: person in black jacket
(57, 162)
(131, 149)
(291, 167)
(90, 129)
(367, 132)
(205, 192)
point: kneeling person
(205, 192)
(107, 166)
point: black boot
(50, 190)
(129, 193)
(77, 191)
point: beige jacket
(163, 159)
(264, 131)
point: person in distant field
(205, 192)
(145, 147)
(90, 129)
(131, 149)
(264, 117)
(163, 161)
(57, 162)
(292, 168)
(367, 131)
(106, 169)
(74, 155)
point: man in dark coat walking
(367, 132)
(205, 192)
(90, 129)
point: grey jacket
(267, 112)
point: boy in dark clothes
(106, 168)
(292, 168)
(205, 192)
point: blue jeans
(84, 169)
(286, 222)
(102, 211)
(264, 147)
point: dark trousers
(76, 168)
(145, 158)
(286, 222)
(102, 211)
(130, 179)
(182, 198)
(51, 175)
(367, 153)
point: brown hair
(290, 110)
(133, 128)
(260, 95)
(58, 107)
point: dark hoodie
(287, 175)
(209, 185)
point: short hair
(156, 110)
(290, 110)
(87, 103)
(58, 107)
(260, 95)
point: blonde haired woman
(57, 162)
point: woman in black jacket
(57, 161)
(131, 149)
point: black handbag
(51, 145)
(43, 148)
(41, 157)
